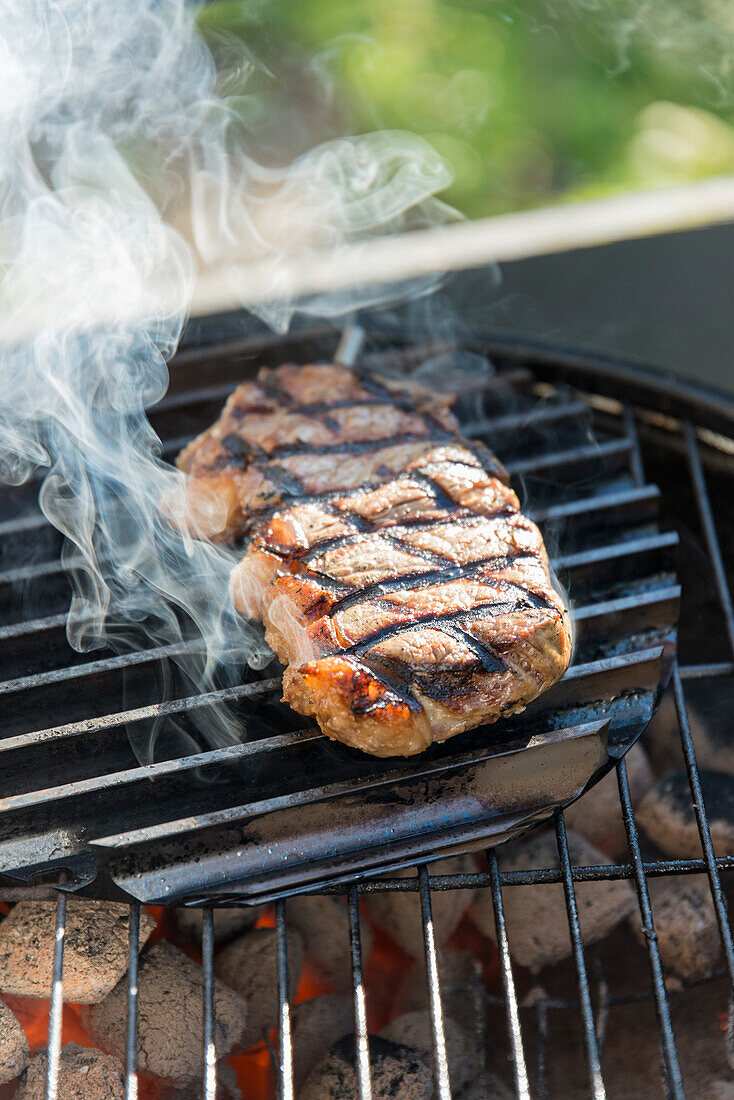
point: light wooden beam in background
(551, 229)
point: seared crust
(302, 430)
(408, 612)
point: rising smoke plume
(111, 131)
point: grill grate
(633, 502)
(94, 814)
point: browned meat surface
(304, 430)
(411, 611)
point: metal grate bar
(546, 415)
(702, 822)
(670, 1055)
(107, 664)
(638, 504)
(361, 1037)
(709, 528)
(540, 1061)
(209, 1047)
(703, 671)
(630, 428)
(615, 449)
(131, 1044)
(593, 1061)
(522, 1085)
(152, 710)
(56, 1005)
(285, 1044)
(714, 549)
(600, 872)
(441, 1067)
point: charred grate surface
(616, 556)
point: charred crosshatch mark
(403, 581)
(284, 479)
(442, 499)
(479, 611)
(360, 447)
(376, 681)
(268, 382)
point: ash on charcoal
(666, 814)
(397, 1071)
(315, 1026)
(685, 923)
(250, 966)
(415, 1030)
(462, 990)
(228, 923)
(84, 1074)
(399, 914)
(170, 1016)
(537, 919)
(14, 1050)
(597, 815)
(323, 924)
(95, 948)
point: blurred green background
(529, 101)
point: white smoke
(121, 175)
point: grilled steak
(410, 611)
(302, 430)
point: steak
(305, 430)
(409, 611)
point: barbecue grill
(76, 804)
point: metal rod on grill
(671, 1068)
(56, 1007)
(590, 1038)
(284, 1013)
(709, 528)
(704, 831)
(443, 1087)
(131, 1050)
(674, 1080)
(351, 343)
(361, 1039)
(522, 1085)
(207, 960)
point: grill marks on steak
(410, 611)
(279, 437)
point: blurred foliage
(529, 101)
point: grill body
(682, 439)
(287, 809)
